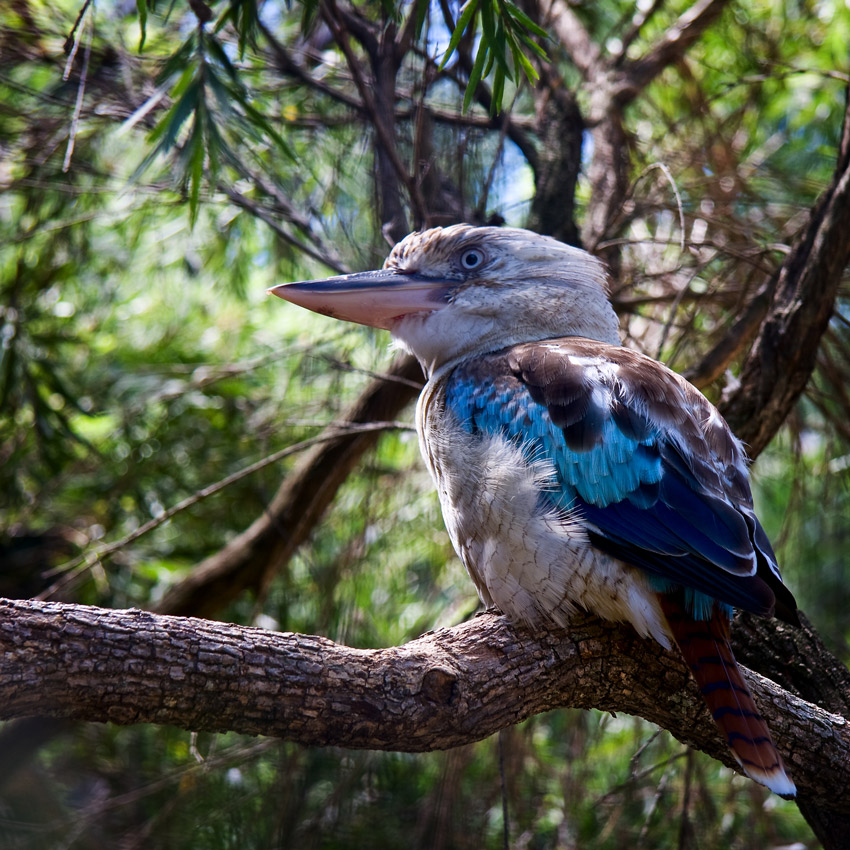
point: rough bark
(782, 359)
(447, 688)
(561, 130)
(797, 660)
(613, 82)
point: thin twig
(666, 172)
(87, 561)
(674, 43)
(656, 799)
(637, 776)
(382, 376)
(676, 303)
(330, 16)
(503, 130)
(81, 90)
(73, 39)
(638, 20)
(685, 828)
(264, 215)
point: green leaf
(244, 15)
(534, 46)
(498, 90)
(469, 9)
(309, 15)
(225, 96)
(521, 18)
(489, 66)
(499, 49)
(474, 77)
(390, 10)
(166, 132)
(488, 23)
(217, 52)
(196, 169)
(186, 104)
(251, 120)
(521, 61)
(420, 10)
(217, 148)
(142, 8)
(178, 60)
(262, 121)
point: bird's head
(454, 292)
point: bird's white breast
(532, 562)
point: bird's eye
(472, 258)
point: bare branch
(675, 42)
(381, 112)
(561, 126)
(785, 352)
(612, 85)
(741, 334)
(289, 65)
(87, 560)
(323, 254)
(406, 36)
(571, 32)
(639, 19)
(447, 688)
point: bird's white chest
(532, 562)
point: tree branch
(784, 354)
(252, 557)
(287, 64)
(675, 42)
(446, 688)
(715, 362)
(378, 96)
(612, 85)
(571, 32)
(323, 253)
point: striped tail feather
(705, 645)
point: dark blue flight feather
(639, 455)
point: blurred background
(162, 163)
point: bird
(573, 473)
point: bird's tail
(706, 648)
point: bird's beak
(377, 298)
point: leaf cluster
(506, 33)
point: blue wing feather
(642, 475)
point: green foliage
(506, 35)
(210, 94)
(141, 362)
(803, 496)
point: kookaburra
(573, 473)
